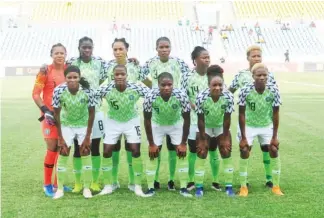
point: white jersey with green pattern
(154, 67)
(122, 105)
(214, 111)
(244, 77)
(166, 113)
(194, 83)
(133, 71)
(259, 107)
(74, 111)
(93, 71)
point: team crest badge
(268, 99)
(174, 106)
(47, 131)
(223, 106)
(82, 100)
(131, 97)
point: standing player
(149, 74)
(214, 107)
(122, 119)
(196, 81)
(243, 78)
(94, 71)
(259, 117)
(165, 106)
(45, 83)
(74, 111)
(120, 49)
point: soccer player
(120, 49)
(74, 111)
(163, 62)
(122, 119)
(214, 107)
(163, 108)
(259, 117)
(94, 71)
(45, 83)
(243, 78)
(196, 81)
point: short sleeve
(92, 99)
(243, 94)
(56, 99)
(235, 82)
(277, 99)
(230, 102)
(148, 100)
(184, 100)
(201, 98)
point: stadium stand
(282, 9)
(108, 11)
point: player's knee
(192, 145)
(265, 148)
(202, 155)
(117, 146)
(136, 153)
(225, 153)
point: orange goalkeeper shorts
(49, 132)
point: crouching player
(259, 117)
(74, 111)
(122, 118)
(165, 106)
(214, 107)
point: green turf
(301, 137)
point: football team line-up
(187, 106)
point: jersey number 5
(252, 105)
(114, 105)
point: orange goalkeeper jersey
(45, 84)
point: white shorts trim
(98, 128)
(214, 132)
(71, 133)
(193, 132)
(114, 130)
(174, 131)
(264, 134)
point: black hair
(120, 66)
(83, 82)
(57, 45)
(214, 70)
(196, 52)
(83, 39)
(164, 75)
(163, 38)
(123, 40)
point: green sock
(214, 164)
(276, 168)
(151, 172)
(106, 168)
(61, 170)
(228, 171)
(96, 160)
(192, 160)
(183, 171)
(86, 170)
(130, 167)
(157, 172)
(172, 164)
(267, 166)
(115, 162)
(138, 170)
(200, 172)
(243, 171)
(77, 168)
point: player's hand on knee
(43, 68)
(85, 146)
(274, 143)
(181, 150)
(225, 144)
(244, 145)
(202, 147)
(64, 150)
(153, 151)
